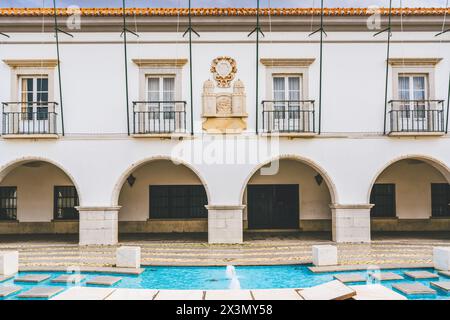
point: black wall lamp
(319, 179)
(131, 180)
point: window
(412, 93)
(383, 199)
(286, 96)
(8, 203)
(178, 202)
(160, 91)
(440, 200)
(34, 97)
(65, 201)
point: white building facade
(249, 153)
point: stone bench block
(441, 258)
(9, 262)
(128, 257)
(324, 255)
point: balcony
(416, 117)
(159, 118)
(29, 120)
(289, 118)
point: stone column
(98, 225)
(225, 224)
(351, 223)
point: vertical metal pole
(320, 67)
(257, 67)
(59, 68)
(191, 71)
(126, 64)
(387, 65)
(448, 104)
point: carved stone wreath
(223, 69)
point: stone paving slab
(350, 277)
(132, 294)
(276, 294)
(104, 281)
(376, 292)
(333, 290)
(8, 290)
(416, 275)
(41, 292)
(228, 295)
(84, 293)
(69, 278)
(5, 278)
(32, 278)
(386, 276)
(413, 288)
(442, 285)
(180, 295)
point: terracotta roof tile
(29, 12)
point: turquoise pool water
(210, 278)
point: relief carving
(224, 111)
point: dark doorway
(274, 206)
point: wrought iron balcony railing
(288, 116)
(417, 116)
(159, 117)
(29, 118)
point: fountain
(230, 273)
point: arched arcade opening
(37, 197)
(288, 195)
(159, 197)
(411, 195)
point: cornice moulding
(268, 62)
(31, 63)
(414, 61)
(175, 63)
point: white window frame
(23, 106)
(158, 106)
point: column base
(98, 225)
(225, 224)
(351, 223)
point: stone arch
(435, 163)
(330, 184)
(133, 167)
(10, 166)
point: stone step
(72, 278)
(104, 281)
(84, 293)
(276, 294)
(375, 292)
(386, 276)
(416, 275)
(32, 278)
(8, 290)
(441, 285)
(228, 295)
(413, 288)
(350, 277)
(333, 290)
(41, 292)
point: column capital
(99, 208)
(351, 206)
(225, 207)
